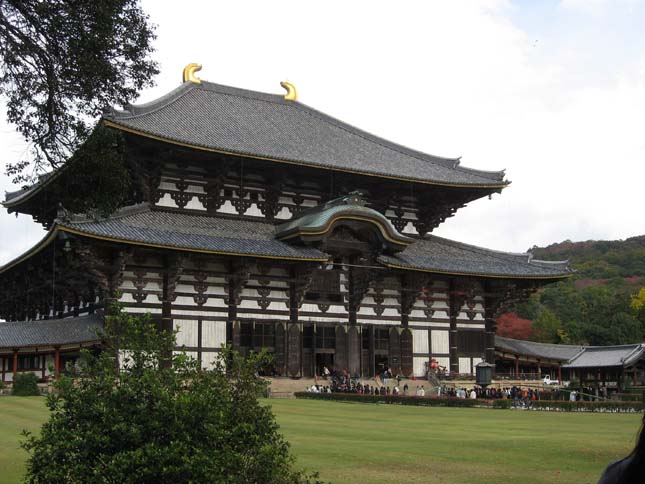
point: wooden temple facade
(258, 222)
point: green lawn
(381, 443)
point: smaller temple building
(611, 366)
(46, 347)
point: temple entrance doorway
(381, 363)
(324, 360)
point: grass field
(366, 443)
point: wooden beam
(56, 362)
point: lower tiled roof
(17, 334)
(175, 230)
(603, 356)
(572, 356)
(436, 254)
(545, 351)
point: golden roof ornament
(292, 94)
(189, 73)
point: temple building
(613, 366)
(256, 221)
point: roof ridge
(136, 111)
(539, 343)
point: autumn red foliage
(510, 325)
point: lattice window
(264, 335)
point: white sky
(552, 91)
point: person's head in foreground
(631, 469)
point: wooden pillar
(200, 343)
(539, 369)
(372, 365)
(232, 324)
(490, 340)
(560, 374)
(360, 350)
(56, 363)
(517, 367)
(15, 362)
(313, 348)
(294, 334)
(455, 308)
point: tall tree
(61, 63)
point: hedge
(549, 405)
(395, 399)
(614, 406)
(25, 385)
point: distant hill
(600, 259)
(595, 305)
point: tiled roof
(537, 350)
(231, 120)
(436, 254)
(83, 329)
(142, 225)
(574, 356)
(602, 356)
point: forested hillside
(602, 304)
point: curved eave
(46, 347)
(127, 129)
(187, 249)
(51, 235)
(388, 232)
(477, 274)
(40, 245)
(34, 189)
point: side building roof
(545, 351)
(50, 332)
(237, 121)
(603, 356)
(572, 356)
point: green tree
(637, 305)
(547, 327)
(155, 422)
(62, 62)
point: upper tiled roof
(226, 119)
(83, 329)
(436, 254)
(545, 351)
(602, 356)
(141, 225)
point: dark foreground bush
(161, 419)
(25, 385)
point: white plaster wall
(208, 358)
(188, 330)
(420, 341)
(213, 334)
(440, 342)
(419, 365)
(465, 366)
